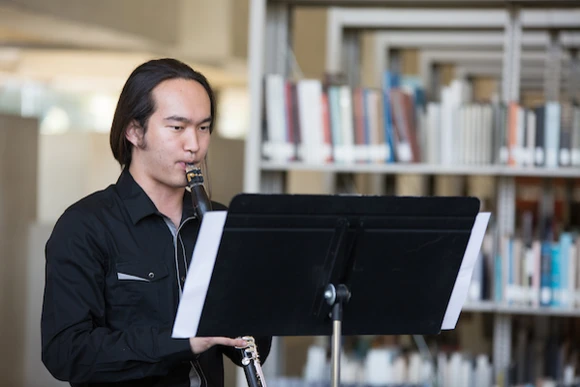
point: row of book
(539, 273)
(543, 352)
(529, 272)
(537, 360)
(392, 367)
(538, 265)
(321, 122)
(297, 382)
(546, 135)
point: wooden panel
(309, 40)
(447, 73)
(410, 61)
(484, 88)
(239, 17)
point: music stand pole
(336, 297)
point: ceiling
(69, 54)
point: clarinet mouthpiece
(193, 175)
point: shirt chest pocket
(139, 285)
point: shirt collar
(139, 204)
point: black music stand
(301, 265)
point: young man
(116, 261)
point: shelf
(432, 3)
(482, 306)
(491, 307)
(420, 168)
(544, 311)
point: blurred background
(381, 97)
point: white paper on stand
(461, 287)
(199, 275)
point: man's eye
(177, 127)
(204, 128)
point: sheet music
(199, 275)
(461, 287)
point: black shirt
(114, 269)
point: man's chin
(178, 184)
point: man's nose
(191, 142)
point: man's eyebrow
(178, 118)
(186, 120)
(205, 120)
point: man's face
(177, 133)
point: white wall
(71, 166)
(75, 164)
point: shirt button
(182, 279)
(151, 275)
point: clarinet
(201, 203)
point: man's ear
(134, 133)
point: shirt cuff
(171, 349)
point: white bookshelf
(480, 307)
(533, 41)
(501, 308)
(270, 25)
(544, 311)
(425, 169)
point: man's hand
(202, 344)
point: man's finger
(230, 342)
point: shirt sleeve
(76, 345)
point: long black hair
(136, 101)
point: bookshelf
(424, 169)
(480, 39)
(490, 62)
(504, 22)
(531, 77)
(493, 307)
(440, 19)
(485, 41)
